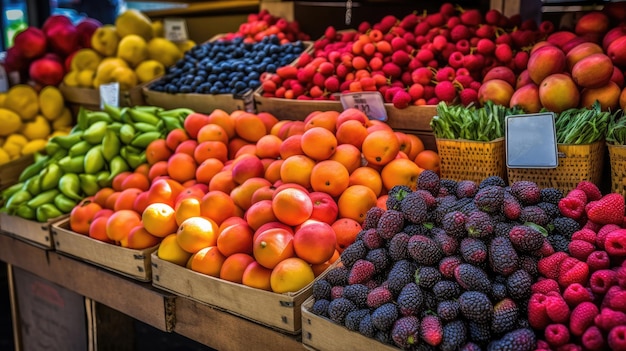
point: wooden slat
(139, 300)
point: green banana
(117, 165)
(104, 178)
(8, 192)
(94, 160)
(134, 160)
(47, 211)
(52, 147)
(144, 139)
(81, 119)
(43, 198)
(95, 133)
(171, 123)
(79, 148)
(49, 178)
(69, 185)
(19, 197)
(74, 164)
(138, 116)
(89, 183)
(147, 108)
(110, 145)
(33, 184)
(127, 133)
(145, 127)
(115, 127)
(114, 112)
(32, 169)
(67, 141)
(25, 212)
(176, 112)
(97, 116)
(64, 203)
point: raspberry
(549, 266)
(598, 260)
(592, 339)
(578, 194)
(582, 317)
(537, 314)
(615, 298)
(602, 280)
(556, 308)
(445, 91)
(545, 285)
(620, 277)
(585, 234)
(556, 335)
(468, 96)
(578, 273)
(401, 99)
(581, 249)
(571, 207)
(617, 338)
(576, 294)
(609, 318)
(590, 189)
(603, 232)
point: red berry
(598, 260)
(503, 53)
(576, 294)
(556, 334)
(582, 317)
(401, 99)
(593, 339)
(617, 338)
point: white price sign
(370, 102)
(110, 94)
(175, 29)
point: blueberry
(253, 84)
(171, 89)
(271, 68)
(222, 76)
(212, 78)
(185, 89)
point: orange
(257, 276)
(234, 239)
(417, 146)
(186, 208)
(242, 194)
(291, 275)
(136, 180)
(110, 201)
(212, 132)
(196, 233)
(314, 242)
(369, 177)
(157, 150)
(351, 132)
(318, 143)
(268, 146)
(187, 147)
(234, 266)
(272, 246)
(291, 146)
(159, 219)
(181, 167)
(400, 171)
(348, 155)
(272, 172)
(428, 159)
(263, 193)
(175, 137)
(346, 230)
(405, 142)
(224, 120)
(259, 213)
(170, 251)
(157, 170)
(380, 147)
(139, 238)
(208, 260)
(321, 268)
(120, 223)
(325, 119)
(249, 127)
(292, 206)
(210, 149)
(355, 201)
(330, 177)
(297, 169)
(217, 206)
(126, 199)
(207, 169)
(234, 145)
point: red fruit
(473, 62)
(503, 53)
(593, 339)
(439, 42)
(607, 210)
(585, 234)
(435, 19)
(556, 308)
(486, 31)
(578, 194)
(485, 46)
(468, 96)
(447, 9)
(617, 338)
(576, 294)
(546, 27)
(46, 71)
(603, 232)
(392, 70)
(464, 79)
(571, 207)
(444, 73)
(591, 190)
(609, 318)
(582, 317)
(456, 59)
(615, 243)
(598, 260)
(581, 249)
(556, 335)
(463, 46)
(615, 298)
(493, 16)
(520, 60)
(472, 17)
(445, 91)
(537, 315)
(602, 280)
(459, 32)
(578, 273)
(544, 286)
(620, 276)
(400, 58)
(30, 43)
(549, 266)
(401, 99)
(331, 84)
(522, 37)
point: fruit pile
(42, 54)
(263, 24)
(29, 118)
(227, 66)
(101, 145)
(239, 192)
(458, 265)
(130, 52)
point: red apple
(63, 38)
(46, 71)
(85, 29)
(54, 20)
(325, 208)
(30, 43)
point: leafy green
(582, 125)
(616, 133)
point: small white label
(369, 102)
(175, 29)
(110, 94)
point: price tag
(110, 94)
(531, 141)
(370, 102)
(175, 29)
(4, 80)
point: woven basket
(471, 160)
(576, 163)
(617, 157)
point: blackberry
(414, 208)
(320, 307)
(551, 195)
(339, 308)
(448, 265)
(474, 251)
(502, 228)
(380, 259)
(454, 224)
(526, 238)
(470, 346)
(356, 251)
(384, 316)
(503, 258)
(390, 223)
(357, 293)
(534, 214)
(431, 330)
(511, 208)
(479, 224)
(383, 337)
(429, 199)
(471, 277)
(454, 335)
(401, 273)
(430, 301)
(378, 296)
(371, 239)
(447, 187)
(371, 217)
(424, 250)
(489, 198)
(492, 180)
(476, 306)
(559, 242)
(479, 333)
(448, 245)
(448, 310)
(468, 208)
(396, 194)
(429, 180)
(366, 327)
(518, 284)
(498, 291)
(466, 188)
(337, 276)
(551, 210)
(416, 229)
(410, 300)
(361, 271)
(354, 318)
(527, 192)
(446, 290)
(336, 292)
(505, 315)
(321, 289)
(565, 226)
(448, 204)
(517, 340)
(405, 332)
(397, 246)
(426, 276)
(529, 264)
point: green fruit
(94, 160)
(95, 133)
(127, 133)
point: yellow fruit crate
(471, 160)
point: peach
(558, 92)
(527, 97)
(544, 62)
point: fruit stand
(445, 178)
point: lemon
(39, 128)
(3, 97)
(164, 51)
(33, 146)
(103, 73)
(85, 58)
(70, 79)
(133, 49)
(157, 29)
(149, 70)
(17, 139)
(125, 76)
(1, 141)
(105, 40)
(133, 21)
(12, 149)
(85, 78)
(65, 120)
(51, 102)
(186, 45)
(10, 122)
(23, 100)
(4, 157)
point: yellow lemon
(10, 122)
(133, 21)
(103, 73)
(12, 149)
(85, 78)
(157, 29)
(105, 40)
(23, 100)
(3, 97)
(133, 49)
(164, 51)
(149, 70)
(65, 120)
(70, 79)
(17, 139)
(4, 157)
(33, 146)
(39, 128)
(85, 58)
(125, 76)
(51, 102)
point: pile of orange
(259, 201)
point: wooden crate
(277, 311)
(128, 262)
(37, 233)
(321, 334)
(203, 103)
(10, 172)
(89, 98)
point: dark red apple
(46, 71)
(30, 43)
(85, 29)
